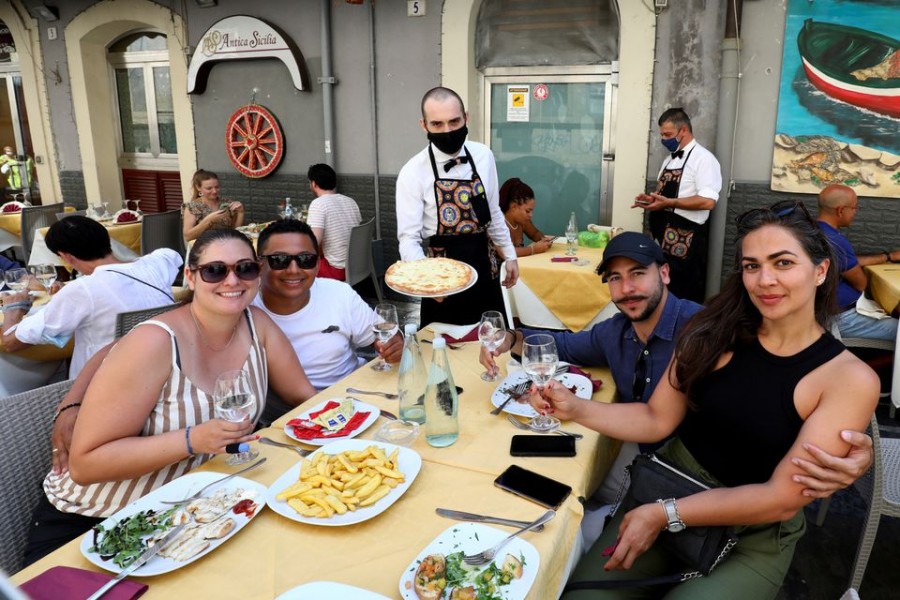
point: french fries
(332, 484)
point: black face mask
(449, 142)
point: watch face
(676, 527)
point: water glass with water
(234, 401)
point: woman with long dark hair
(755, 379)
(517, 203)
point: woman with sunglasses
(756, 379)
(205, 211)
(158, 382)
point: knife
(464, 516)
(140, 562)
(498, 410)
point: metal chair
(25, 424)
(359, 256)
(126, 321)
(162, 230)
(35, 217)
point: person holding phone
(517, 203)
(205, 211)
(756, 380)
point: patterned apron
(463, 217)
(683, 241)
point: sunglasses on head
(280, 262)
(781, 210)
(217, 271)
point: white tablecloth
(41, 255)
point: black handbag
(702, 548)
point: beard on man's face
(653, 301)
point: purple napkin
(595, 383)
(69, 583)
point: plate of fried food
(212, 520)
(440, 572)
(345, 482)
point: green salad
(127, 539)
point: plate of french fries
(345, 482)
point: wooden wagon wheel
(254, 141)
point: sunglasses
(280, 262)
(780, 210)
(216, 272)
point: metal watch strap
(672, 517)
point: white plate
(409, 462)
(471, 538)
(320, 590)
(182, 487)
(583, 389)
(358, 405)
(472, 282)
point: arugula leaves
(126, 540)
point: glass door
(19, 176)
(550, 131)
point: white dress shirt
(701, 176)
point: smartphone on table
(542, 445)
(533, 486)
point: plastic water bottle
(413, 378)
(572, 236)
(441, 402)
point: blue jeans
(851, 324)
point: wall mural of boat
(852, 65)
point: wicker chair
(359, 257)
(35, 217)
(162, 230)
(25, 424)
(126, 321)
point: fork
(351, 390)
(216, 482)
(525, 427)
(486, 556)
(270, 442)
(512, 393)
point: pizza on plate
(429, 276)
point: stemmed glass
(106, 214)
(16, 279)
(491, 332)
(385, 327)
(235, 401)
(540, 359)
(46, 274)
(137, 207)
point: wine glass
(235, 401)
(491, 332)
(46, 274)
(137, 206)
(540, 359)
(385, 327)
(16, 279)
(106, 214)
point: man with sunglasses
(325, 319)
(687, 189)
(838, 206)
(636, 345)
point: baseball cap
(631, 244)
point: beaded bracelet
(63, 409)
(187, 438)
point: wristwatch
(675, 524)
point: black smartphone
(531, 486)
(542, 445)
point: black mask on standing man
(449, 142)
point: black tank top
(745, 420)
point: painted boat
(852, 65)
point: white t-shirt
(327, 357)
(337, 214)
(702, 176)
(87, 307)
(417, 206)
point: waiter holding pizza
(447, 200)
(687, 189)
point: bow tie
(677, 154)
(455, 161)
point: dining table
(274, 554)
(884, 288)
(11, 228)
(125, 241)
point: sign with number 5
(415, 8)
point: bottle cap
(438, 343)
(410, 329)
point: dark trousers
(51, 529)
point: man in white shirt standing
(87, 307)
(687, 190)
(332, 216)
(448, 198)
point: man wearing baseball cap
(636, 345)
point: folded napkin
(69, 583)
(307, 429)
(595, 383)
(870, 308)
(455, 334)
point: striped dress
(180, 404)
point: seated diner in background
(755, 379)
(517, 203)
(87, 307)
(205, 211)
(168, 425)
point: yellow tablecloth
(43, 352)
(575, 294)
(884, 285)
(128, 235)
(275, 554)
(12, 222)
